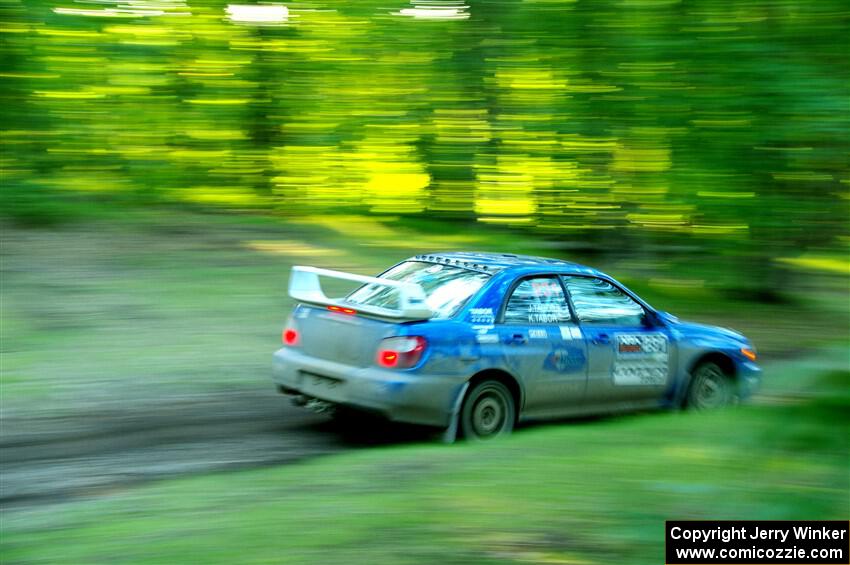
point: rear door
(542, 345)
(628, 361)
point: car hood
(693, 328)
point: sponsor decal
(482, 316)
(564, 360)
(570, 332)
(484, 335)
(641, 359)
(545, 288)
(537, 333)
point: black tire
(344, 414)
(488, 411)
(711, 387)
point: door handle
(517, 339)
(601, 339)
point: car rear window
(447, 288)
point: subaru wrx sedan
(479, 341)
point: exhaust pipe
(314, 404)
(321, 406)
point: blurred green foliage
(717, 131)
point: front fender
(693, 351)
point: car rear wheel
(710, 388)
(488, 411)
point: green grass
(578, 492)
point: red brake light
(290, 337)
(389, 358)
(401, 352)
(342, 310)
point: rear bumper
(399, 395)
(749, 379)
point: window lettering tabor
(537, 301)
(546, 313)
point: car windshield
(446, 288)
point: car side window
(538, 300)
(599, 302)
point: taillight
(291, 337)
(401, 352)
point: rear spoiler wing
(305, 287)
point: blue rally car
(478, 341)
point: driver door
(628, 361)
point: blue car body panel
(556, 369)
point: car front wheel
(710, 388)
(488, 411)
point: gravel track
(56, 459)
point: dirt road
(51, 460)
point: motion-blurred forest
(166, 162)
(712, 131)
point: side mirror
(651, 319)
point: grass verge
(582, 492)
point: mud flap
(450, 435)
